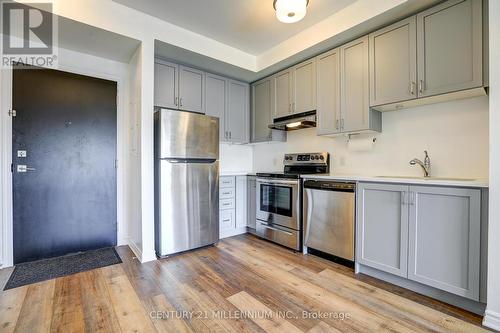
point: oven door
(278, 202)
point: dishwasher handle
(330, 185)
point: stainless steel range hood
(295, 121)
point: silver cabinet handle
(180, 101)
(403, 198)
(337, 125)
(293, 107)
(412, 198)
(229, 134)
(342, 123)
(412, 88)
(176, 101)
(420, 86)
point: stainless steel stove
(279, 198)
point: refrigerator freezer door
(188, 194)
(186, 135)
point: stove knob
(321, 157)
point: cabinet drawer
(226, 219)
(226, 193)
(226, 204)
(226, 182)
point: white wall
(492, 318)
(455, 134)
(133, 189)
(235, 158)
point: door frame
(6, 202)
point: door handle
(180, 101)
(412, 88)
(22, 168)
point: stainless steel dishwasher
(329, 211)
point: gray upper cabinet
(237, 116)
(179, 87)
(304, 87)
(382, 227)
(165, 89)
(449, 40)
(354, 88)
(282, 93)
(215, 100)
(444, 242)
(262, 112)
(191, 89)
(393, 63)
(328, 93)
(228, 100)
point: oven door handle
(265, 225)
(278, 182)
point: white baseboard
(492, 320)
(148, 256)
(137, 251)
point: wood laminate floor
(243, 284)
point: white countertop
(237, 173)
(442, 181)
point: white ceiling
(248, 25)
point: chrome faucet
(426, 165)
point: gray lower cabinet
(427, 234)
(251, 202)
(262, 113)
(449, 47)
(232, 205)
(393, 63)
(444, 242)
(382, 228)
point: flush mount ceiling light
(290, 11)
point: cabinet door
(382, 227)
(166, 78)
(393, 63)
(241, 201)
(261, 110)
(251, 201)
(237, 112)
(328, 93)
(215, 100)
(449, 46)
(444, 239)
(304, 87)
(191, 89)
(282, 94)
(354, 85)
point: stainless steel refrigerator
(186, 181)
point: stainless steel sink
(430, 178)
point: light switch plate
(22, 153)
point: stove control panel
(306, 158)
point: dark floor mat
(46, 269)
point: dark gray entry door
(64, 189)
